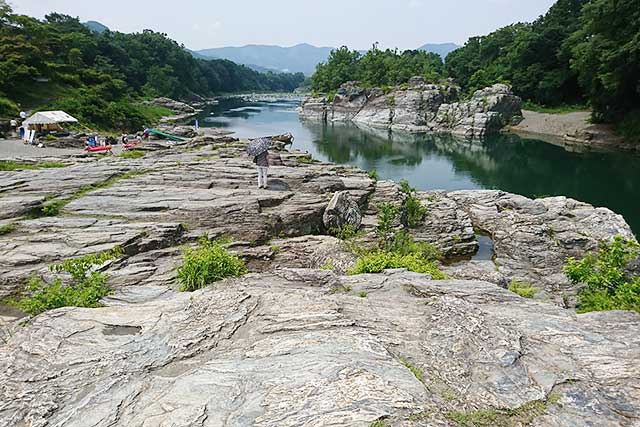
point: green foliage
(522, 416)
(387, 213)
(8, 108)
(208, 263)
(78, 267)
(85, 290)
(373, 174)
(327, 265)
(376, 68)
(605, 56)
(606, 284)
(380, 260)
(306, 160)
(11, 165)
(346, 232)
(557, 109)
(6, 229)
(132, 154)
(525, 290)
(415, 210)
(417, 372)
(331, 96)
(99, 76)
(629, 127)
(404, 244)
(363, 294)
(580, 52)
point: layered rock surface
(419, 107)
(293, 344)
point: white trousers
(262, 176)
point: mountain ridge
(301, 57)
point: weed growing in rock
(607, 285)
(373, 174)
(379, 423)
(11, 165)
(208, 263)
(378, 261)
(6, 229)
(414, 369)
(404, 244)
(132, 154)
(304, 159)
(525, 290)
(346, 232)
(416, 211)
(363, 294)
(327, 265)
(85, 290)
(386, 216)
(53, 207)
(522, 416)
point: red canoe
(98, 148)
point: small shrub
(346, 232)
(208, 263)
(363, 294)
(378, 261)
(391, 101)
(416, 211)
(404, 244)
(606, 285)
(386, 216)
(331, 96)
(304, 159)
(525, 290)
(275, 249)
(86, 289)
(373, 174)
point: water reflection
(508, 162)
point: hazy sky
(201, 24)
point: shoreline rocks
(418, 107)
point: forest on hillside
(584, 52)
(100, 78)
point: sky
(201, 24)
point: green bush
(525, 290)
(416, 211)
(346, 232)
(86, 289)
(378, 261)
(629, 127)
(208, 263)
(606, 285)
(387, 213)
(373, 174)
(8, 108)
(404, 244)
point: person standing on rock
(259, 150)
(262, 162)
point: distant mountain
(441, 49)
(96, 26)
(299, 58)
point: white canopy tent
(49, 118)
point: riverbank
(297, 318)
(572, 130)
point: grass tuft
(208, 263)
(132, 154)
(525, 290)
(11, 165)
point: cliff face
(420, 107)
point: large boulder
(419, 106)
(342, 211)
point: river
(507, 162)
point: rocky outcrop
(342, 211)
(296, 342)
(183, 112)
(419, 107)
(300, 347)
